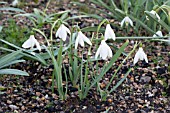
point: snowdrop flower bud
(31, 42)
(109, 33)
(15, 3)
(81, 38)
(127, 21)
(140, 55)
(104, 51)
(158, 34)
(62, 32)
(154, 13)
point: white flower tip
(62, 32)
(126, 21)
(109, 33)
(31, 42)
(140, 55)
(158, 34)
(104, 51)
(15, 3)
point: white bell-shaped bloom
(31, 42)
(158, 34)
(62, 32)
(140, 55)
(81, 38)
(127, 21)
(109, 33)
(103, 51)
(154, 13)
(15, 3)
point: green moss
(14, 34)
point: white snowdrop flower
(154, 13)
(158, 34)
(109, 33)
(104, 51)
(62, 32)
(127, 21)
(31, 42)
(81, 38)
(15, 3)
(140, 55)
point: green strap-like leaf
(8, 58)
(13, 71)
(121, 81)
(12, 9)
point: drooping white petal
(130, 21)
(103, 51)
(81, 42)
(37, 45)
(63, 35)
(145, 57)
(29, 43)
(76, 42)
(109, 33)
(140, 55)
(85, 39)
(98, 52)
(15, 3)
(58, 32)
(62, 32)
(122, 22)
(109, 52)
(81, 38)
(126, 21)
(67, 30)
(158, 33)
(136, 58)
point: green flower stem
(51, 32)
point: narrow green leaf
(12, 62)
(10, 44)
(121, 81)
(8, 58)
(14, 72)
(12, 9)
